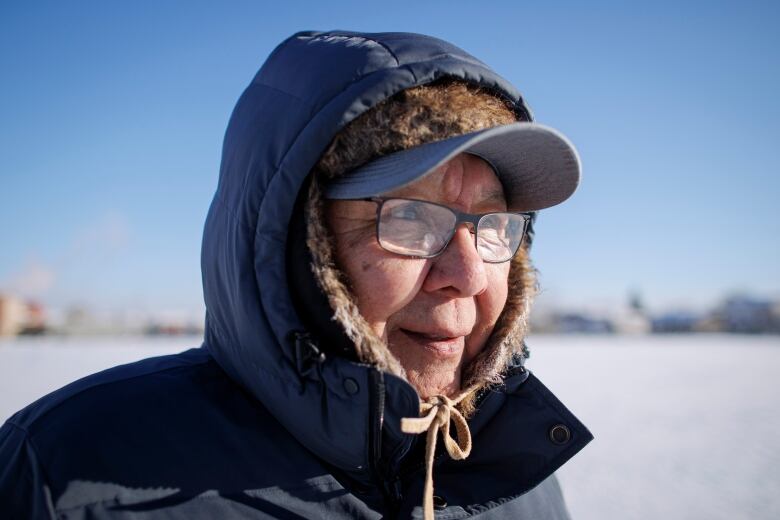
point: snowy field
(686, 427)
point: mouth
(440, 344)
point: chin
(434, 380)
(426, 389)
(432, 367)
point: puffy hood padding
(310, 87)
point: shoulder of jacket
(109, 386)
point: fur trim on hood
(506, 340)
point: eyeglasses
(424, 229)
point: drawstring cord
(436, 413)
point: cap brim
(537, 166)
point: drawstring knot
(436, 413)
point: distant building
(174, 329)
(20, 317)
(572, 322)
(12, 315)
(81, 320)
(631, 319)
(680, 321)
(746, 315)
(36, 319)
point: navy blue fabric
(255, 424)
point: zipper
(389, 484)
(377, 408)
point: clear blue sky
(112, 116)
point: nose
(459, 271)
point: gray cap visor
(537, 165)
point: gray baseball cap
(537, 165)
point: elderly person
(367, 281)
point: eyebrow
(493, 196)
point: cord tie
(436, 413)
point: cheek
(489, 306)
(382, 284)
(492, 301)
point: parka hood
(309, 88)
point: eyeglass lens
(418, 228)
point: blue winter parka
(264, 420)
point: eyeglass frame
(460, 217)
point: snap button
(439, 502)
(560, 434)
(351, 386)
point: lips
(433, 337)
(441, 343)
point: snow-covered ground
(686, 427)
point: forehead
(466, 181)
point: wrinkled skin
(435, 314)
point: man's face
(435, 314)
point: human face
(435, 314)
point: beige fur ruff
(410, 118)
